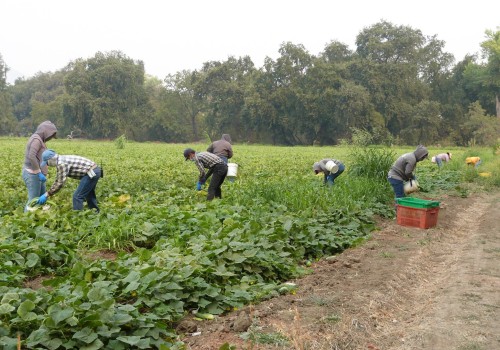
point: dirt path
(406, 288)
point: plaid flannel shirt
(206, 160)
(74, 167)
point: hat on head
(187, 152)
(46, 155)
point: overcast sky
(173, 35)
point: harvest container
(232, 169)
(417, 202)
(417, 212)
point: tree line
(397, 87)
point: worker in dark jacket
(222, 148)
(215, 166)
(34, 175)
(75, 167)
(403, 167)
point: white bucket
(232, 169)
(411, 186)
(331, 166)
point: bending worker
(215, 166)
(403, 167)
(75, 167)
(331, 168)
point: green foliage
(158, 250)
(296, 99)
(371, 162)
(121, 141)
(360, 137)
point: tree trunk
(497, 106)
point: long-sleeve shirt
(206, 160)
(403, 167)
(71, 166)
(443, 156)
(36, 146)
(222, 147)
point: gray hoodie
(403, 167)
(321, 165)
(222, 147)
(36, 146)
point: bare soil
(405, 288)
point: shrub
(371, 162)
(120, 142)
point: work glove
(42, 199)
(42, 177)
(198, 186)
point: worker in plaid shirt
(75, 167)
(215, 166)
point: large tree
(397, 64)
(491, 49)
(7, 121)
(105, 95)
(222, 86)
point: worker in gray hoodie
(403, 167)
(331, 168)
(222, 148)
(34, 175)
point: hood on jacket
(317, 167)
(46, 130)
(226, 137)
(421, 153)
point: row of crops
(121, 278)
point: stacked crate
(417, 212)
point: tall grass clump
(120, 142)
(373, 163)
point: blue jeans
(35, 187)
(86, 191)
(224, 159)
(397, 186)
(439, 162)
(330, 179)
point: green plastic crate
(417, 202)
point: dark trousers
(86, 191)
(397, 186)
(218, 175)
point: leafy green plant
(371, 162)
(120, 142)
(170, 251)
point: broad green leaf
(96, 345)
(8, 297)
(287, 225)
(85, 335)
(25, 307)
(132, 286)
(6, 309)
(32, 259)
(131, 340)
(59, 315)
(132, 277)
(37, 337)
(53, 344)
(121, 318)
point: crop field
(122, 278)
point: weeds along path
(406, 288)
